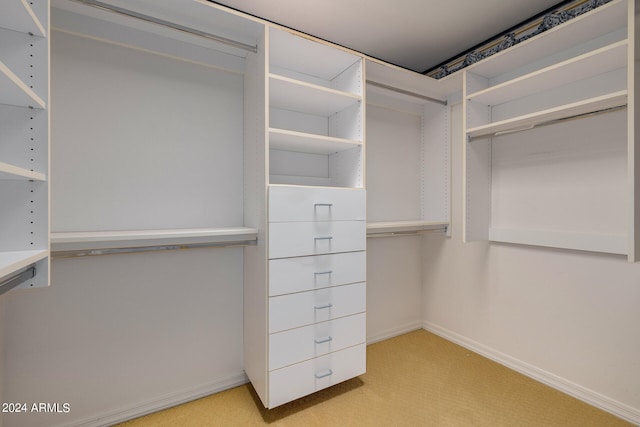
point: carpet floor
(416, 379)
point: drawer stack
(317, 290)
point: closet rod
(116, 251)
(406, 92)
(406, 233)
(15, 279)
(550, 122)
(157, 21)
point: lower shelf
(15, 262)
(383, 228)
(101, 242)
(607, 243)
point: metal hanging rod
(114, 251)
(550, 122)
(406, 233)
(17, 278)
(408, 93)
(152, 20)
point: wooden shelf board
(281, 139)
(8, 171)
(95, 240)
(600, 61)
(296, 95)
(17, 15)
(12, 261)
(14, 91)
(615, 99)
(380, 227)
(607, 243)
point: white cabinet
(24, 144)
(549, 150)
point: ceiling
(414, 34)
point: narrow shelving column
(24, 142)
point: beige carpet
(417, 379)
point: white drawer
(304, 378)
(289, 239)
(305, 308)
(316, 204)
(296, 345)
(288, 275)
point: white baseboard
(591, 397)
(394, 332)
(161, 402)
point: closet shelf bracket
(15, 279)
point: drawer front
(305, 308)
(289, 239)
(288, 275)
(288, 204)
(296, 345)
(304, 378)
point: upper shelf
(296, 95)
(594, 63)
(14, 91)
(100, 240)
(17, 15)
(281, 139)
(596, 23)
(528, 121)
(310, 57)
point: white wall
(120, 333)
(565, 317)
(394, 286)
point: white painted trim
(591, 397)
(394, 332)
(162, 402)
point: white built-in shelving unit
(24, 144)
(549, 150)
(305, 290)
(407, 151)
(316, 113)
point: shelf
(607, 243)
(281, 139)
(296, 95)
(391, 227)
(599, 61)
(100, 240)
(17, 15)
(529, 121)
(309, 57)
(8, 171)
(13, 261)
(14, 91)
(596, 23)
